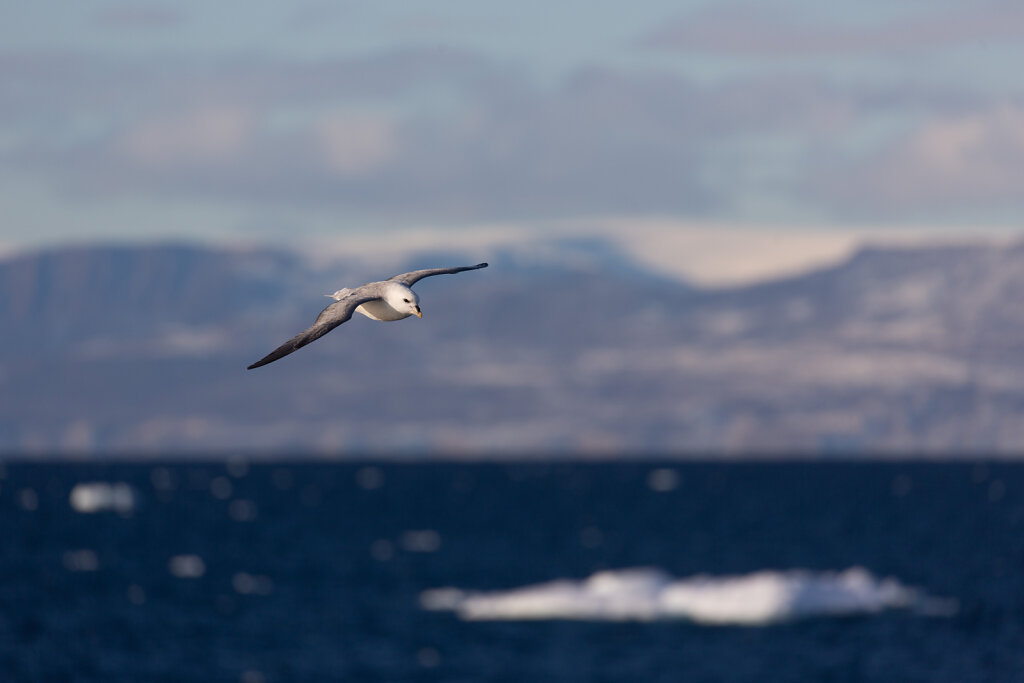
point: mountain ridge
(140, 351)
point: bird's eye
(405, 300)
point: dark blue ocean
(258, 573)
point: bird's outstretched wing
(412, 277)
(329, 318)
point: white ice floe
(97, 496)
(643, 594)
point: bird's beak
(418, 312)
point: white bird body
(380, 309)
(399, 302)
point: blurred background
(713, 227)
(717, 230)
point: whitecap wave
(644, 594)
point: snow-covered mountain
(566, 350)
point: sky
(257, 122)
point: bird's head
(403, 299)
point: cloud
(62, 83)
(497, 146)
(970, 159)
(755, 30)
(356, 144)
(443, 135)
(208, 135)
(139, 16)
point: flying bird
(390, 299)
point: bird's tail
(337, 296)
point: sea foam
(643, 594)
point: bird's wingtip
(481, 265)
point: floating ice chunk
(186, 566)
(767, 597)
(92, 497)
(626, 595)
(754, 599)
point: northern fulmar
(390, 299)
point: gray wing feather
(329, 318)
(412, 277)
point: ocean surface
(258, 573)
